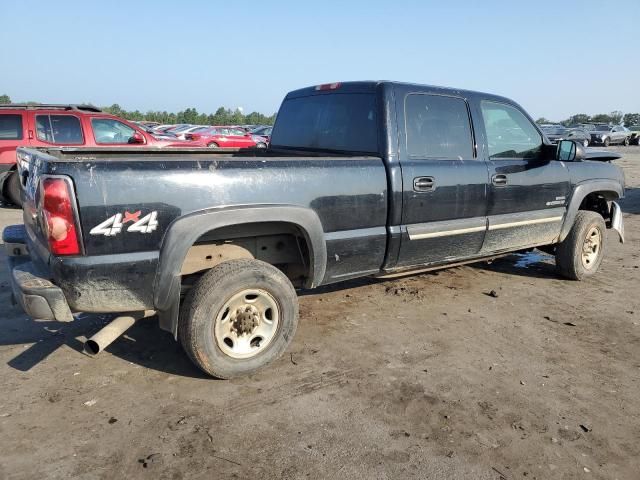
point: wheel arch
(607, 189)
(185, 231)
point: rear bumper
(37, 296)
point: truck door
(444, 198)
(527, 193)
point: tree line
(613, 118)
(222, 116)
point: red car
(225, 137)
(62, 125)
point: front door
(527, 193)
(444, 183)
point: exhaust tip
(91, 347)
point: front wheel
(239, 317)
(606, 142)
(213, 145)
(585, 143)
(579, 255)
(626, 141)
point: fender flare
(184, 231)
(579, 194)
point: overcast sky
(555, 58)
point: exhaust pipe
(113, 330)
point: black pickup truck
(361, 179)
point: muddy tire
(12, 189)
(239, 317)
(580, 254)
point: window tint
(509, 133)
(107, 130)
(340, 122)
(438, 127)
(10, 127)
(64, 129)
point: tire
(213, 145)
(12, 189)
(585, 143)
(573, 259)
(261, 145)
(225, 331)
(606, 142)
(626, 141)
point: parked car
(606, 135)
(264, 132)
(556, 134)
(634, 130)
(226, 137)
(362, 179)
(57, 125)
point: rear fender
(184, 231)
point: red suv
(62, 125)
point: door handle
(499, 179)
(424, 184)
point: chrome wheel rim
(247, 323)
(591, 247)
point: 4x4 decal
(114, 224)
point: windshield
(554, 130)
(602, 128)
(341, 122)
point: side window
(10, 127)
(509, 133)
(437, 127)
(109, 131)
(62, 129)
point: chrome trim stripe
(445, 233)
(358, 233)
(525, 222)
(421, 231)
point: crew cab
(44, 125)
(361, 179)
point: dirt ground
(423, 377)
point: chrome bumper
(617, 223)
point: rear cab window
(59, 129)
(340, 122)
(11, 126)
(438, 127)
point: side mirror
(136, 138)
(570, 151)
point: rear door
(239, 139)
(444, 194)
(54, 128)
(527, 193)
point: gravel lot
(422, 377)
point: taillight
(59, 218)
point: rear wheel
(239, 317)
(585, 143)
(579, 255)
(12, 189)
(606, 142)
(626, 141)
(213, 145)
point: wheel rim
(213, 145)
(247, 323)
(585, 143)
(591, 247)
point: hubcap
(247, 323)
(591, 247)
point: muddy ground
(422, 377)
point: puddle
(525, 260)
